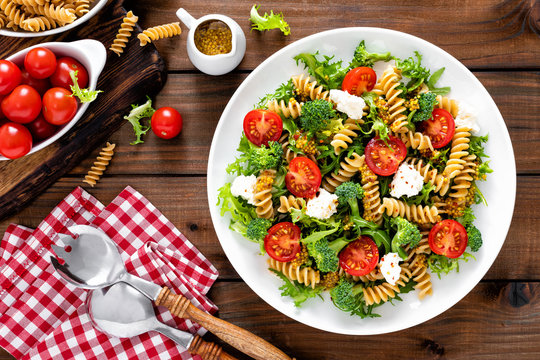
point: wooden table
(497, 40)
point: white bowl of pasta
(91, 54)
(493, 220)
(49, 18)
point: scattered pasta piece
(124, 33)
(100, 165)
(159, 32)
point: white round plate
(493, 220)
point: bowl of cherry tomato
(36, 102)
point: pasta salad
(358, 183)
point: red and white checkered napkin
(43, 317)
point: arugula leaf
(238, 208)
(284, 92)
(440, 264)
(422, 197)
(329, 74)
(84, 95)
(476, 145)
(268, 21)
(137, 113)
(413, 69)
(377, 125)
(298, 292)
(433, 80)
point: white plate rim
(297, 314)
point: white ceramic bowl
(94, 8)
(493, 220)
(90, 53)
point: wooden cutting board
(125, 80)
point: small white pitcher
(214, 64)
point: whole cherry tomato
(59, 107)
(166, 122)
(15, 140)
(40, 62)
(41, 129)
(23, 105)
(10, 76)
(64, 66)
(40, 85)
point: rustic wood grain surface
(498, 40)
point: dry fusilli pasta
(309, 89)
(416, 140)
(263, 195)
(372, 196)
(387, 86)
(385, 291)
(304, 275)
(124, 33)
(100, 165)
(458, 150)
(416, 213)
(447, 104)
(159, 32)
(344, 137)
(374, 275)
(290, 202)
(348, 167)
(441, 182)
(291, 110)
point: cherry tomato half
(41, 129)
(10, 76)
(262, 126)
(58, 106)
(384, 158)
(283, 241)
(359, 257)
(304, 177)
(40, 85)
(166, 122)
(40, 62)
(15, 140)
(440, 128)
(23, 105)
(359, 80)
(61, 77)
(448, 238)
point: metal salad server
(122, 311)
(92, 261)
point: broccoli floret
(257, 229)
(266, 157)
(326, 253)
(348, 297)
(325, 258)
(349, 193)
(407, 234)
(364, 58)
(475, 237)
(316, 115)
(426, 103)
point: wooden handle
(241, 339)
(208, 350)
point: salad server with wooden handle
(92, 261)
(124, 312)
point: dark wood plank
(202, 100)
(481, 34)
(472, 329)
(25, 178)
(183, 200)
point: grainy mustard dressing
(213, 37)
